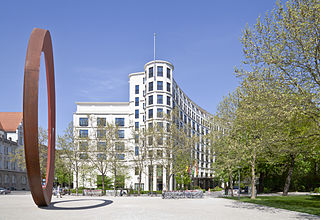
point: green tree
(71, 153)
(139, 154)
(286, 42)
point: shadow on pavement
(53, 206)
(243, 205)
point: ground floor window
(136, 185)
(24, 180)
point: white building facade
(152, 94)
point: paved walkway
(71, 207)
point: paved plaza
(21, 206)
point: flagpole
(154, 56)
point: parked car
(4, 191)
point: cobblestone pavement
(21, 206)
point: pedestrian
(58, 192)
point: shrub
(217, 188)
(266, 190)
(74, 191)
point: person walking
(58, 192)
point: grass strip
(307, 204)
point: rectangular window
(121, 133)
(136, 126)
(168, 87)
(136, 151)
(160, 99)
(159, 171)
(137, 89)
(119, 146)
(101, 133)
(101, 122)
(136, 101)
(168, 112)
(83, 146)
(168, 73)
(150, 113)
(83, 121)
(159, 71)
(150, 153)
(150, 99)
(150, 72)
(136, 113)
(168, 100)
(120, 156)
(159, 112)
(101, 146)
(136, 186)
(120, 122)
(83, 133)
(150, 86)
(150, 125)
(159, 85)
(160, 142)
(136, 171)
(83, 156)
(101, 157)
(136, 139)
(159, 126)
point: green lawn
(306, 204)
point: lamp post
(239, 184)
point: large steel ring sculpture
(40, 41)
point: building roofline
(135, 74)
(102, 103)
(196, 105)
(160, 61)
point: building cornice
(160, 61)
(136, 74)
(102, 103)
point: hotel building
(152, 93)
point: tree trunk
(253, 177)
(231, 183)
(77, 181)
(167, 179)
(288, 179)
(114, 185)
(103, 184)
(69, 182)
(139, 186)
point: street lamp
(239, 184)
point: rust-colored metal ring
(40, 41)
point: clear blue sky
(98, 43)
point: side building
(12, 175)
(152, 93)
